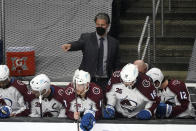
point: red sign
(21, 63)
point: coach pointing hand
(100, 51)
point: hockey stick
(40, 101)
(78, 128)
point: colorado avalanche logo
(69, 91)
(128, 105)
(96, 90)
(146, 83)
(60, 92)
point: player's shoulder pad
(58, 91)
(115, 78)
(69, 90)
(145, 85)
(95, 89)
(19, 85)
(16, 82)
(144, 81)
(116, 74)
(176, 85)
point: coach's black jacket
(89, 46)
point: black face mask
(100, 30)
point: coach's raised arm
(100, 51)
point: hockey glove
(144, 115)
(88, 120)
(5, 111)
(109, 112)
(163, 110)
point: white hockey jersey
(177, 95)
(130, 101)
(92, 101)
(14, 97)
(52, 106)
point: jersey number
(153, 94)
(183, 95)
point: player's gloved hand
(5, 111)
(88, 120)
(144, 115)
(109, 112)
(163, 110)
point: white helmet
(40, 82)
(156, 75)
(81, 77)
(4, 72)
(129, 73)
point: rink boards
(60, 124)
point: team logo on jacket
(60, 92)
(69, 91)
(146, 83)
(128, 105)
(96, 90)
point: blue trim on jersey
(12, 80)
(51, 93)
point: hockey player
(48, 101)
(15, 94)
(130, 94)
(85, 97)
(175, 99)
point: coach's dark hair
(102, 16)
